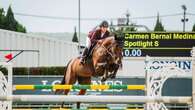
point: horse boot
(84, 56)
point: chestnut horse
(106, 58)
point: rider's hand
(100, 41)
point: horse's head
(108, 55)
(116, 50)
(113, 49)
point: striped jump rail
(70, 87)
(76, 109)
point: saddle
(90, 52)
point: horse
(105, 58)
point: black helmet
(104, 24)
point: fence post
(193, 78)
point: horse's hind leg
(70, 79)
(66, 91)
(83, 81)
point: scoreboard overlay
(169, 44)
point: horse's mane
(109, 40)
(113, 38)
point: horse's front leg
(66, 91)
(113, 74)
(105, 76)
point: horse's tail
(63, 80)
(58, 91)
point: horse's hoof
(103, 79)
(58, 91)
(112, 76)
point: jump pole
(92, 98)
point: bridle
(107, 50)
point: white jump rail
(92, 98)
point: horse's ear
(119, 40)
(115, 37)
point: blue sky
(97, 9)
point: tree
(10, 21)
(193, 29)
(20, 28)
(2, 18)
(158, 26)
(75, 39)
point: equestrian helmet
(104, 24)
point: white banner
(136, 68)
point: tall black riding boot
(84, 56)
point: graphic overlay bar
(167, 44)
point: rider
(100, 33)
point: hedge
(35, 70)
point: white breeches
(88, 42)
